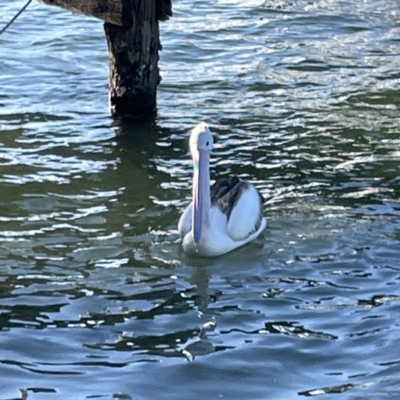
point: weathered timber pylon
(132, 32)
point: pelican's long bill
(201, 181)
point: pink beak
(199, 188)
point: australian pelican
(223, 217)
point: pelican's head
(201, 139)
(201, 143)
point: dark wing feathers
(226, 192)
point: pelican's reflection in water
(201, 344)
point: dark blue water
(97, 299)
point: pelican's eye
(208, 143)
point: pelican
(221, 218)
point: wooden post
(134, 73)
(133, 40)
(108, 10)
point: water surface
(97, 299)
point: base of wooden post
(134, 73)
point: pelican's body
(223, 217)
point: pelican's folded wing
(247, 213)
(242, 204)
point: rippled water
(97, 299)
